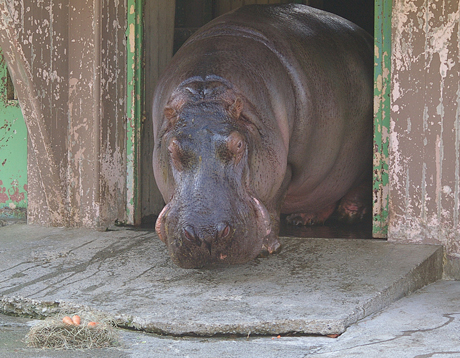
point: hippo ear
(236, 108)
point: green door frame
(382, 86)
(134, 108)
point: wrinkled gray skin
(264, 110)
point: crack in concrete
(406, 333)
(138, 276)
(13, 267)
(108, 252)
(435, 353)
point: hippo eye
(181, 158)
(236, 145)
(175, 153)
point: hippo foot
(350, 212)
(310, 219)
(354, 205)
(270, 246)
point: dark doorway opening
(190, 15)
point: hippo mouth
(234, 242)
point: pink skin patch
(264, 216)
(159, 224)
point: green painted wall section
(13, 153)
(134, 112)
(382, 85)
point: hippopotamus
(266, 110)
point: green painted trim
(134, 108)
(382, 86)
(13, 152)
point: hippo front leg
(271, 244)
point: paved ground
(314, 285)
(425, 324)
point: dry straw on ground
(54, 333)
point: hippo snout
(206, 240)
(195, 239)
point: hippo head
(202, 166)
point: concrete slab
(314, 286)
(424, 324)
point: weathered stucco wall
(67, 60)
(425, 124)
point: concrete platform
(424, 324)
(314, 286)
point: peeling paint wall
(425, 124)
(67, 60)
(13, 152)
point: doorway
(189, 15)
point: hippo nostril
(223, 230)
(190, 235)
(208, 246)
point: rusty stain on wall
(67, 60)
(425, 131)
